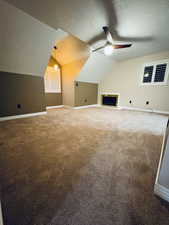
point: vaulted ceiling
(143, 22)
(25, 42)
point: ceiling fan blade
(97, 49)
(122, 46)
(108, 35)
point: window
(52, 80)
(148, 74)
(155, 73)
(160, 73)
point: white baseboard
(144, 110)
(1, 219)
(161, 191)
(135, 109)
(123, 107)
(54, 107)
(22, 116)
(161, 112)
(110, 106)
(86, 106)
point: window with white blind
(155, 73)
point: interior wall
(125, 79)
(53, 99)
(21, 94)
(71, 54)
(85, 93)
(163, 178)
(69, 73)
(25, 49)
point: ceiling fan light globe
(108, 50)
(56, 67)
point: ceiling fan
(110, 43)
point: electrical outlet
(19, 106)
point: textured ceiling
(143, 22)
(70, 49)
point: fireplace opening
(111, 100)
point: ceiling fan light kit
(110, 45)
(108, 50)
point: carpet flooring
(94, 166)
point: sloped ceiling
(144, 22)
(26, 43)
(70, 49)
(96, 67)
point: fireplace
(110, 99)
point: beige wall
(25, 47)
(25, 90)
(125, 80)
(69, 73)
(85, 93)
(53, 99)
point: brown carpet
(93, 166)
